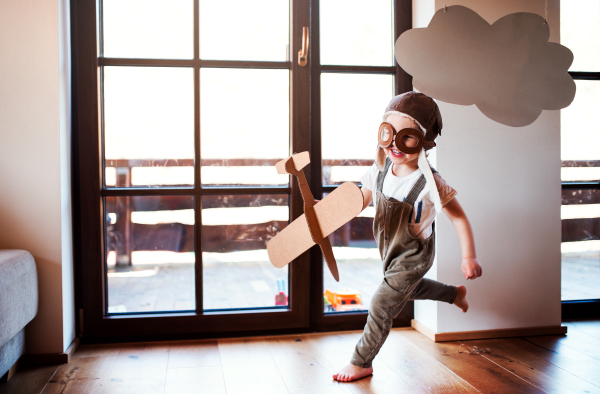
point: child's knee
(386, 302)
(402, 283)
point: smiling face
(397, 157)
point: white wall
(508, 181)
(35, 198)
(422, 11)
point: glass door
(183, 110)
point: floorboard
(250, 360)
(139, 368)
(408, 362)
(303, 368)
(195, 380)
(383, 380)
(193, 354)
(29, 379)
(484, 375)
(567, 358)
(82, 375)
(536, 371)
(590, 327)
(418, 369)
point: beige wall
(35, 212)
(508, 181)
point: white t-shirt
(397, 187)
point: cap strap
(381, 175)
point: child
(407, 196)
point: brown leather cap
(422, 108)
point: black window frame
(581, 309)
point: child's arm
(367, 197)
(470, 266)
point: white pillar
(508, 181)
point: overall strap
(416, 190)
(381, 175)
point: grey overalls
(405, 261)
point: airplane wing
(290, 243)
(335, 210)
(339, 207)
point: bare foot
(351, 372)
(461, 298)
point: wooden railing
(180, 238)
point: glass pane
(580, 214)
(149, 126)
(351, 109)
(245, 121)
(580, 32)
(244, 30)
(236, 268)
(358, 263)
(148, 28)
(354, 33)
(150, 254)
(580, 139)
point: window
(181, 111)
(580, 154)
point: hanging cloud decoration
(508, 69)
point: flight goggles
(388, 135)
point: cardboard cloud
(508, 69)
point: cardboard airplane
(317, 222)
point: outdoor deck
(170, 287)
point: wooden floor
(407, 363)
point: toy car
(343, 300)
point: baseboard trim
(52, 358)
(487, 334)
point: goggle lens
(406, 144)
(402, 139)
(386, 134)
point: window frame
(579, 309)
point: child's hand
(471, 268)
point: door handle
(303, 53)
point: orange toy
(344, 300)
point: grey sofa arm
(18, 292)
